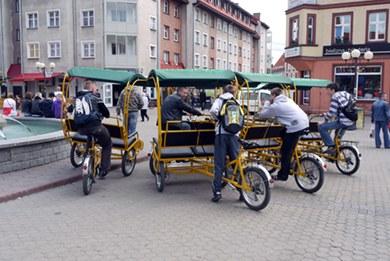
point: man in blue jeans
(225, 143)
(380, 116)
(135, 103)
(339, 100)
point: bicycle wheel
(160, 178)
(128, 162)
(312, 177)
(348, 160)
(88, 168)
(77, 154)
(152, 164)
(259, 194)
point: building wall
(7, 36)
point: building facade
(319, 31)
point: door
(107, 94)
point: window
(17, 36)
(212, 63)
(224, 65)
(311, 25)
(205, 18)
(205, 40)
(87, 18)
(204, 62)
(219, 24)
(176, 58)
(54, 49)
(377, 25)
(239, 51)
(197, 15)
(53, 18)
(196, 60)
(294, 31)
(342, 31)
(122, 12)
(176, 33)
(212, 42)
(224, 46)
(225, 27)
(166, 7)
(32, 20)
(240, 67)
(88, 49)
(17, 6)
(235, 50)
(219, 45)
(176, 11)
(219, 64)
(197, 37)
(33, 50)
(166, 32)
(230, 66)
(152, 51)
(153, 23)
(166, 57)
(305, 97)
(212, 21)
(230, 48)
(369, 81)
(118, 45)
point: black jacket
(35, 108)
(26, 106)
(46, 108)
(173, 108)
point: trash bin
(360, 120)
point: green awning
(305, 83)
(206, 79)
(104, 75)
(254, 79)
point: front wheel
(259, 193)
(128, 162)
(348, 160)
(77, 154)
(160, 178)
(87, 173)
(310, 176)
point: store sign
(294, 3)
(292, 52)
(336, 50)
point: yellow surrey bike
(124, 147)
(264, 139)
(193, 150)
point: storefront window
(369, 81)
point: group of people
(39, 105)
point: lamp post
(355, 55)
(47, 72)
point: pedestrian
(46, 106)
(57, 106)
(9, 106)
(135, 103)
(144, 110)
(35, 108)
(202, 99)
(26, 104)
(380, 116)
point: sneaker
(217, 197)
(331, 150)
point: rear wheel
(152, 164)
(88, 178)
(77, 154)
(348, 160)
(310, 177)
(128, 162)
(259, 193)
(160, 178)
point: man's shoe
(103, 174)
(331, 150)
(217, 197)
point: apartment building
(319, 31)
(101, 33)
(265, 47)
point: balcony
(295, 3)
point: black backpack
(84, 113)
(231, 116)
(349, 110)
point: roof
(105, 75)
(254, 79)
(281, 61)
(31, 77)
(266, 26)
(205, 79)
(305, 83)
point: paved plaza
(127, 219)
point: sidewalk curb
(50, 185)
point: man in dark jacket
(380, 117)
(46, 106)
(174, 107)
(96, 128)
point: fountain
(3, 123)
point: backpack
(84, 114)
(349, 110)
(231, 116)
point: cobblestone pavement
(127, 219)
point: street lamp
(355, 55)
(46, 72)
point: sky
(273, 14)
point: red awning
(13, 70)
(31, 77)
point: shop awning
(31, 77)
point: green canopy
(205, 79)
(104, 75)
(305, 83)
(254, 79)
